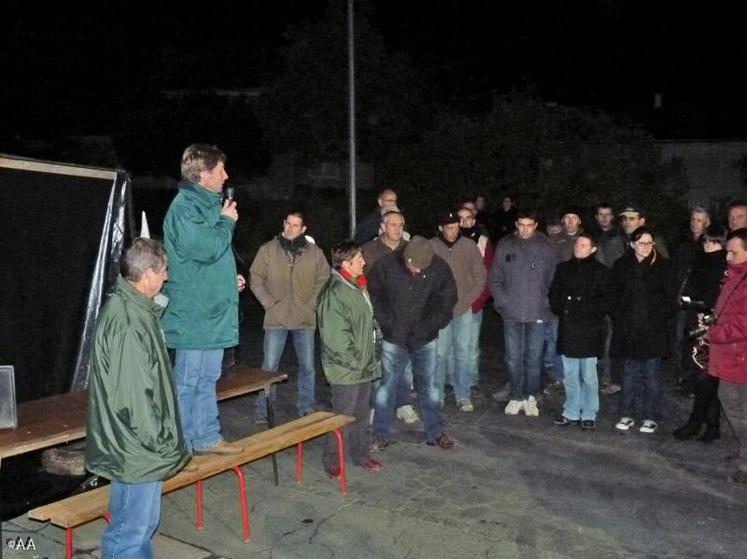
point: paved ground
(514, 487)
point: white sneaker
(407, 414)
(530, 407)
(648, 426)
(514, 407)
(625, 424)
(465, 404)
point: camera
(691, 304)
(707, 320)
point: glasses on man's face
(644, 244)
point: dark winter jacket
(644, 297)
(134, 433)
(704, 282)
(411, 308)
(520, 277)
(579, 295)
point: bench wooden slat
(79, 509)
(62, 418)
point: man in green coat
(348, 338)
(202, 318)
(134, 435)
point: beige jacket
(288, 287)
(466, 265)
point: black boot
(687, 431)
(711, 434)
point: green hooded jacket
(134, 432)
(203, 311)
(348, 332)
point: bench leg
(244, 507)
(299, 463)
(341, 454)
(199, 504)
(271, 424)
(69, 543)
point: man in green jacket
(202, 318)
(134, 435)
(349, 337)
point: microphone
(229, 192)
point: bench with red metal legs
(82, 508)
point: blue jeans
(581, 388)
(303, 343)
(473, 353)
(551, 357)
(402, 397)
(455, 335)
(135, 509)
(523, 355)
(394, 359)
(196, 371)
(641, 375)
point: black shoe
(710, 435)
(588, 425)
(687, 431)
(563, 421)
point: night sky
(69, 67)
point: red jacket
(727, 338)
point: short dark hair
(740, 234)
(527, 213)
(715, 233)
(738, 203)
(603, 206)
(344, 251)
(588, 235)
(640, 232)
(296, 213)
(142, 255)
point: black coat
(579, 295)
(411, 308)
(644, 297)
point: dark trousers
(353, 400)
(706, 407)
(734, 399)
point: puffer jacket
(134, 433)
(348, 332)
(203, 311)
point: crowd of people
(588, 308)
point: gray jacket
(520, 277)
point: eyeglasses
(645, 243)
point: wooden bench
(54, 420)
(82, 508)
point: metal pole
(351, 116)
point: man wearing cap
(632, 217)
(519, 280)
(413, 294)
(465, 261)
(390, 239)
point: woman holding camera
(643, 299)
(704, 285)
